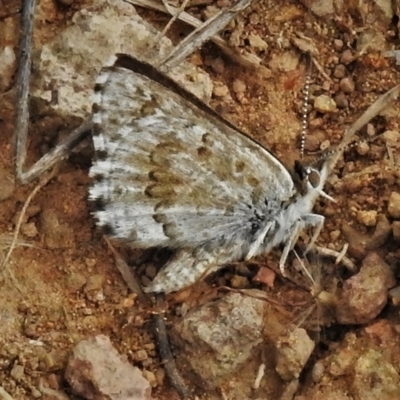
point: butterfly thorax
(296, 213)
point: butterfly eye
(313, 178)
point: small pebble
(29, 230)
(17, 372)
(381, 234)
(347, 85)
(317, 371)
(362, 148)
(334, 235)
(151, 271)
(367, 218)
(94, 282)
(210, 11)
(35, 393)
(7, 185)
(392, 138)
(346, 57)
(341, 100)
(370, 130)
(221, 91)
(151, 378)
(257, 42)
(218, 65)
(160, 376)
(141, 355)
(394, 205)
(394, 294)
(238, 86)
(396, 230)
(75, 281)
(324, 104)
(312, 144)
(8, 66)
(339, 71)
(239, 282)
(338, 44)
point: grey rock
(66, 68)
(220, 336)
(293, 351)
(365, 294)
(95, 370)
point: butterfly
(169, 172)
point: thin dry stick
(60, 152)
(203, 33)
(339, 256)
(127, 274)
(23, 74)
(374, 110)
(175, 15)
(166, 355)
(4, 395)
(245, 59)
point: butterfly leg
(297, 228)
(314, 220)
(318, 222)
(260, 239)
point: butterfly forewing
(171, 173)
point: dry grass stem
(175, 13)
(4, 265)
(127, 273)
(245, 59)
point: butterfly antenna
(306, 93)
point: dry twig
(22, 122)
(4, 395)
(23, 74)
(127, 274)
(245, 59)
(57, 154)
(372, 111)
(175, 15)
(203, 33)
(339, 256)
(166, 355)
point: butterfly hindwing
(171, 173)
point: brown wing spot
(159, 218)
(252, 181)
(149, 106)
(203, 152)
(164, 177)
(207, 139)
(239, 166)
(159, 159)
(160, 191)
(169, 229)
(96, 108)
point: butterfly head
(311, 177)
